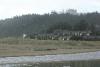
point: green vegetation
(35, 23)
(48, 23)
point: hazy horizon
(10, 8)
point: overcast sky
(10, 8)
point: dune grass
(19, 47)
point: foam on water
(50, 58)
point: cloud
(9, 8)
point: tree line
(49, 22)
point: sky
(10, 8)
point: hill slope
(34, 23)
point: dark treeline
(47, 23)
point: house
(71, 33)
(59, 35)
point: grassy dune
(19, 47)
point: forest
(49, 22)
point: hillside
(33, 23)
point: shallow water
(49, 58)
